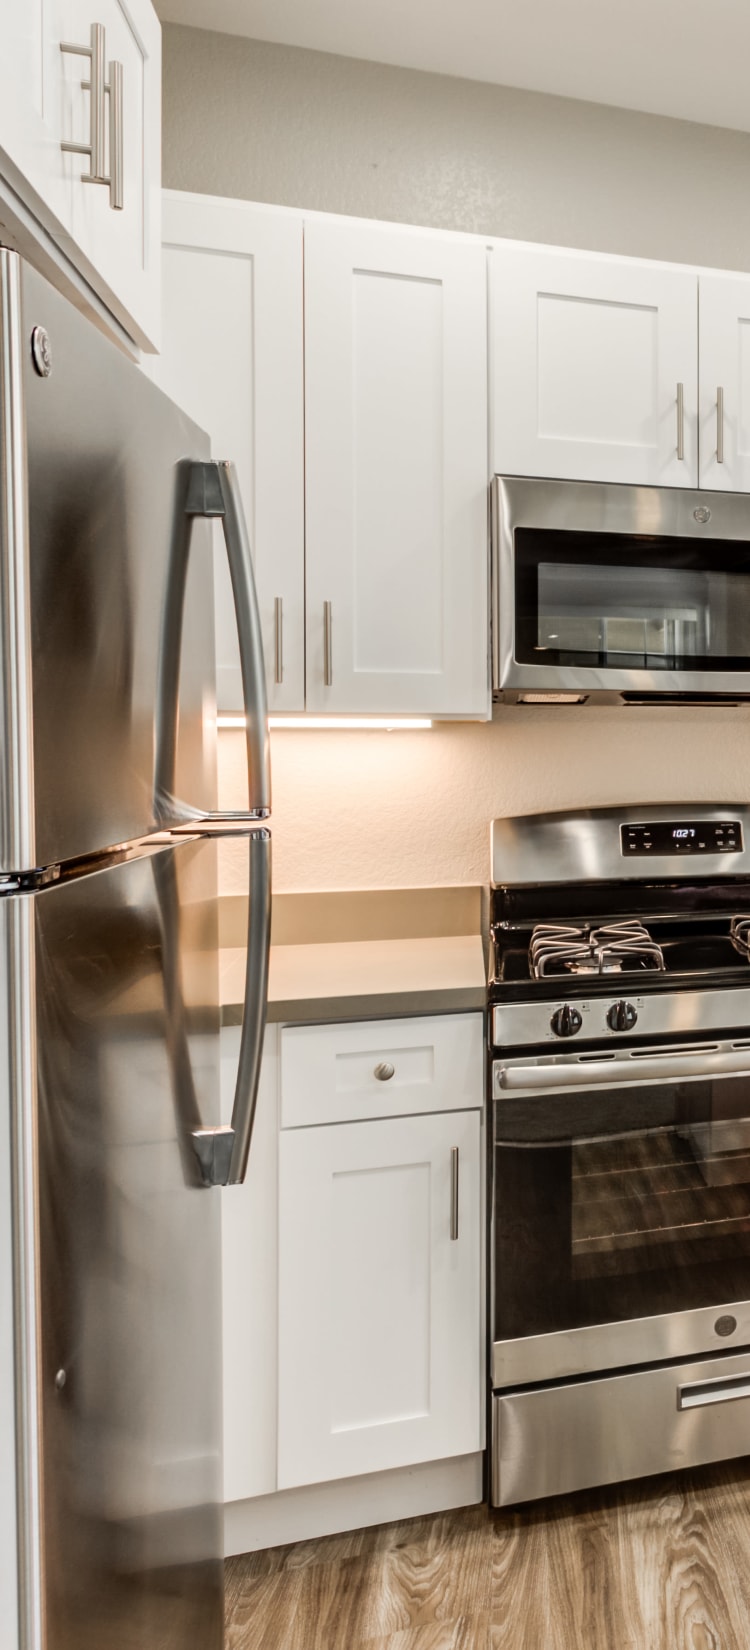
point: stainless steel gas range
(620, 1178)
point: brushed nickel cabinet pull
(384, 1071)
(680, 421)
(327, 645)
(720, 424)
(454, 1193)
(98, 88)
(278, 640)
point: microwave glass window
(608, 601)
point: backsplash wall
(395, 810)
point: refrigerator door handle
(223, 1152)
(210, 489)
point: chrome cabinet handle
(384, 1071)
(98, 88)
(720, 424)
(680, 421)
(697, 1394)
(327, 644)
(210, 489)
(454, 1193)
(278, 640)
(115, 137)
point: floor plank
(662, 1564)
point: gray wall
(301, 128)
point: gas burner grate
(739, 934)
(618, 947)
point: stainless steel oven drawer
(548, 1441)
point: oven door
(620, 1209)
(620, 592)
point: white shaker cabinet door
(725, 383)
(594, 368)
(396, 471)
(232, 358)
(380, 1358)
(30, 103)
(115, 231)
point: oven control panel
(679, 837)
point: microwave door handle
(209, 489)
(607, 1073)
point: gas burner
(739, 934)
(617, 948)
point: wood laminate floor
(662, 1564)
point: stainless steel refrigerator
(112, 1143)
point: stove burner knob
(621, 1017)
(566, 1021)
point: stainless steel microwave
(610, 593)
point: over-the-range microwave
(619, 593)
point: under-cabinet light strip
(342, 722)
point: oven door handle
(609, 1073)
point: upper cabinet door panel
(232, 357)
(30, 96)
(594, 370)
(119, 247)
(396, 471)
(725, 383)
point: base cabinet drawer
(549, 1441)
(380, 1360)
(381, 1068)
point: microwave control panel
(682, 836)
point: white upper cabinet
(232, 358)
(101, 95)
(594, 368)
(30, 105)
(396, 471)
(725, 383)
(116, 227)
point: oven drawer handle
(696, 1394)
(607, 1073)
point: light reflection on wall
(412, 809)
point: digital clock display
(714, 836)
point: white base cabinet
(379, 1354)
(353, 1274)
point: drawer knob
(384, 1071)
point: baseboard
(352, 1503)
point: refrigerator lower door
(117, 1257)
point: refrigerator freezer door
(125, 1283)
(88, 554)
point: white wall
(394, 810)
(307, 129)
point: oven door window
(620, 602)
(620, 1204)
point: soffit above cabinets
(670, 57)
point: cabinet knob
(384, 1071)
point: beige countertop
(362, 979)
